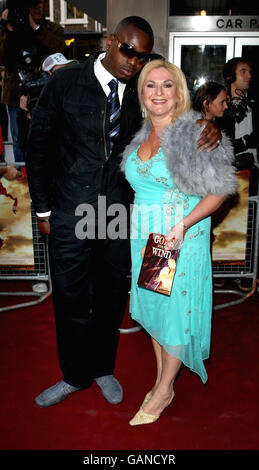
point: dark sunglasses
(129, 51)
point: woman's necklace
(150, 147)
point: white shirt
(245, 127)
(104, 77)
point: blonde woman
(176, 187)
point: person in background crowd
(210, 100)
(89, 112)
(241, 120)
(241, 123)
(42, 37)
(50, 64)
(56, 61)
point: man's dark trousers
(90, 279)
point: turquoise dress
(181, 322)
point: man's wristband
(42, 220)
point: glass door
(248, 47)
(201, 57)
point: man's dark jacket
(68, 140)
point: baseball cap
(55, 59)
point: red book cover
(159, 264)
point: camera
(32, 80)
(238, 106)
(17, 13)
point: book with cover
(159, 264)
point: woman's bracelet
(184, 226)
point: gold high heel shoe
(141, 417)
(147, 398)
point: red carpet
(222, 415)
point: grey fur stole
(195, 173)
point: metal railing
(39, 273)
(248, 269)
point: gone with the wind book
(159, 264)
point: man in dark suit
(89, 276)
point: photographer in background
(241, 124)
(241, 119)
(27, 102)
(24, 28)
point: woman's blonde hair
(178, 78)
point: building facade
(83, 34)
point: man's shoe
(111, 389)
(55, 394)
